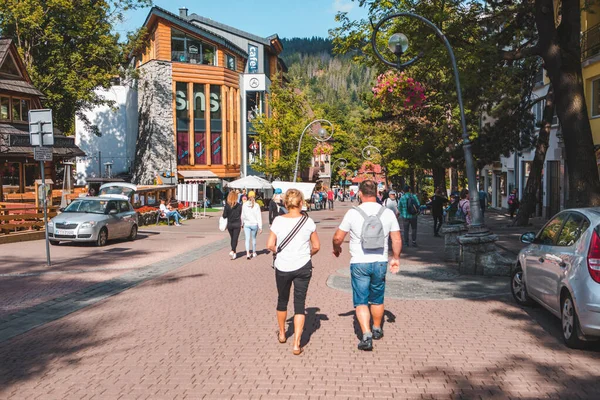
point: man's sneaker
(366, 344)
(415, 244)
(377, 333)
(177, 224)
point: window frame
(9, 108)
(595, 106)
(537, 239)
(230, 57)
(584, 219)
(200, 55)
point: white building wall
(118, 125)
(515, 178)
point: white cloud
(343, 5)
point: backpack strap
(364, 214)
(361, 212)
(293, 233)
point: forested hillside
(323, 77)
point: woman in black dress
(233, 213)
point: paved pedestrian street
(185, 322)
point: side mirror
(61, 209)
(528, 237)
(113, 211)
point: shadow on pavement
(312, 323)
(165, 280)
(104, 256)
(491, 381)
(28, 357)
(388, 317)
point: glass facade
(188, 49)
(199, 124)
(182, 122)
(205, 101)
(216, 124)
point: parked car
(94, 219)
(560, 269)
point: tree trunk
(454, 180)
(439, 178)
(560, 48)
(534, 182)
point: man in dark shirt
(437, 210)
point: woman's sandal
(279, 338)
(298, 351)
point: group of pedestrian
(243, 215)
(294, 240)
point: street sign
(42, 153)
(40, 125)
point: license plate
(62, 232)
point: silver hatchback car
(560, 269)
(94, 219)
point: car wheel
(518, 287)
(54, 242)
(133, 234)
(570, 324)
(102, 237)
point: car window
(112, 205)
(87, 206)
(123, 206)
(572, 229)
(549, 233)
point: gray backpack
(373, 236)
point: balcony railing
(590, 42)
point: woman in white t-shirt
(293, 263)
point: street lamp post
(322, 136)
(343, 162)
(367, 153)
(398, 44)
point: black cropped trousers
(300, 278)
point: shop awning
(201, 175)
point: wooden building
(18, 170)
(191, 100)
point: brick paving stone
(207, 330)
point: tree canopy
(69, 48)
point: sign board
(252, 59)
(42, 153)
(256, 82)
(40, 126)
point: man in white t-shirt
(369, 267)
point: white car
(94, 219)
(560, 269)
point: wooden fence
(23, 218)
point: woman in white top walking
(294, 241)
(252, 223)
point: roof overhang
(193, 28)
(199, 175)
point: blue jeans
(368, 283)
(174, 214)
(250, 230)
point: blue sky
(287, 18)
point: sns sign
(252, 59)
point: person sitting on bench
(168, 212)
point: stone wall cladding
(155, 148)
